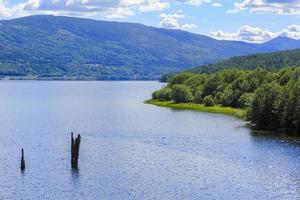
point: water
(132, 150)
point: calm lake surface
(131, 150)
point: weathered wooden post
(22, 161)
(75, 144)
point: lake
(131, 150)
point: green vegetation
(269, 61)
(269, 99)
(38, 47)
(209, 100)
(199, 107)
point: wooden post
(75, 144)
(22, 161)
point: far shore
(26, 78)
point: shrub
(181, 94)
(209, 101)
(163, 94)
(227, 97)
(245, 100)
(198, 95)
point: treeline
(272, 99)
(269, 61)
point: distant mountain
(270, 61)
(48, 46)
(281, 43)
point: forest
(269, 61)
(271, 99)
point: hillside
(48, 46)
(270, 61)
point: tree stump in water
(22, 161)
(75, 144)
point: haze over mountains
(48, 46)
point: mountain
(270, 61)
(281, 43)
(49, 46)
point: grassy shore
(199, 107)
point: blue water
(131, 150)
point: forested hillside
(271, 98)
(269, 61)
(48, 46)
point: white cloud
(194, 2)
(7, 11)
(288, 7)
(217, 5)
(91, 8)
(292, 31)
(188, 26)
(106, 8)
(172, 21)
(256, 34)
(153, 5)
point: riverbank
(199, 107)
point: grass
(199, 107)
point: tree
(227, 97)
(163, 94)
(290, 104)
(271, 99)
(165, 78)
(245, 100)
(209, 101)
(264, 109)
(179, 78)
(181, 94)
(211, 84)
(195, 81)
(198, 95)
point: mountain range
(43, 46)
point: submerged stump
(75, 144)
(22, 161)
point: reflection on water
(131, 150)
(289, 137)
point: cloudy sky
(246, 20)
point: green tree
(198, 95)
(290, 104)
(181, 94)
(179, 78)
(163, 94)
(227, 97)
(245, 100)
(195, 81)
(264, 109)
(271, 98)
(209, 101)
(211, 84)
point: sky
(244, 20)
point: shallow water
(132, 150)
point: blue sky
(247, 20)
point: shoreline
(240, 113)
(217, 109)
(70, 78)
(78, 80)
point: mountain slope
(48, 46)
(270, 61)
(281, 43)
